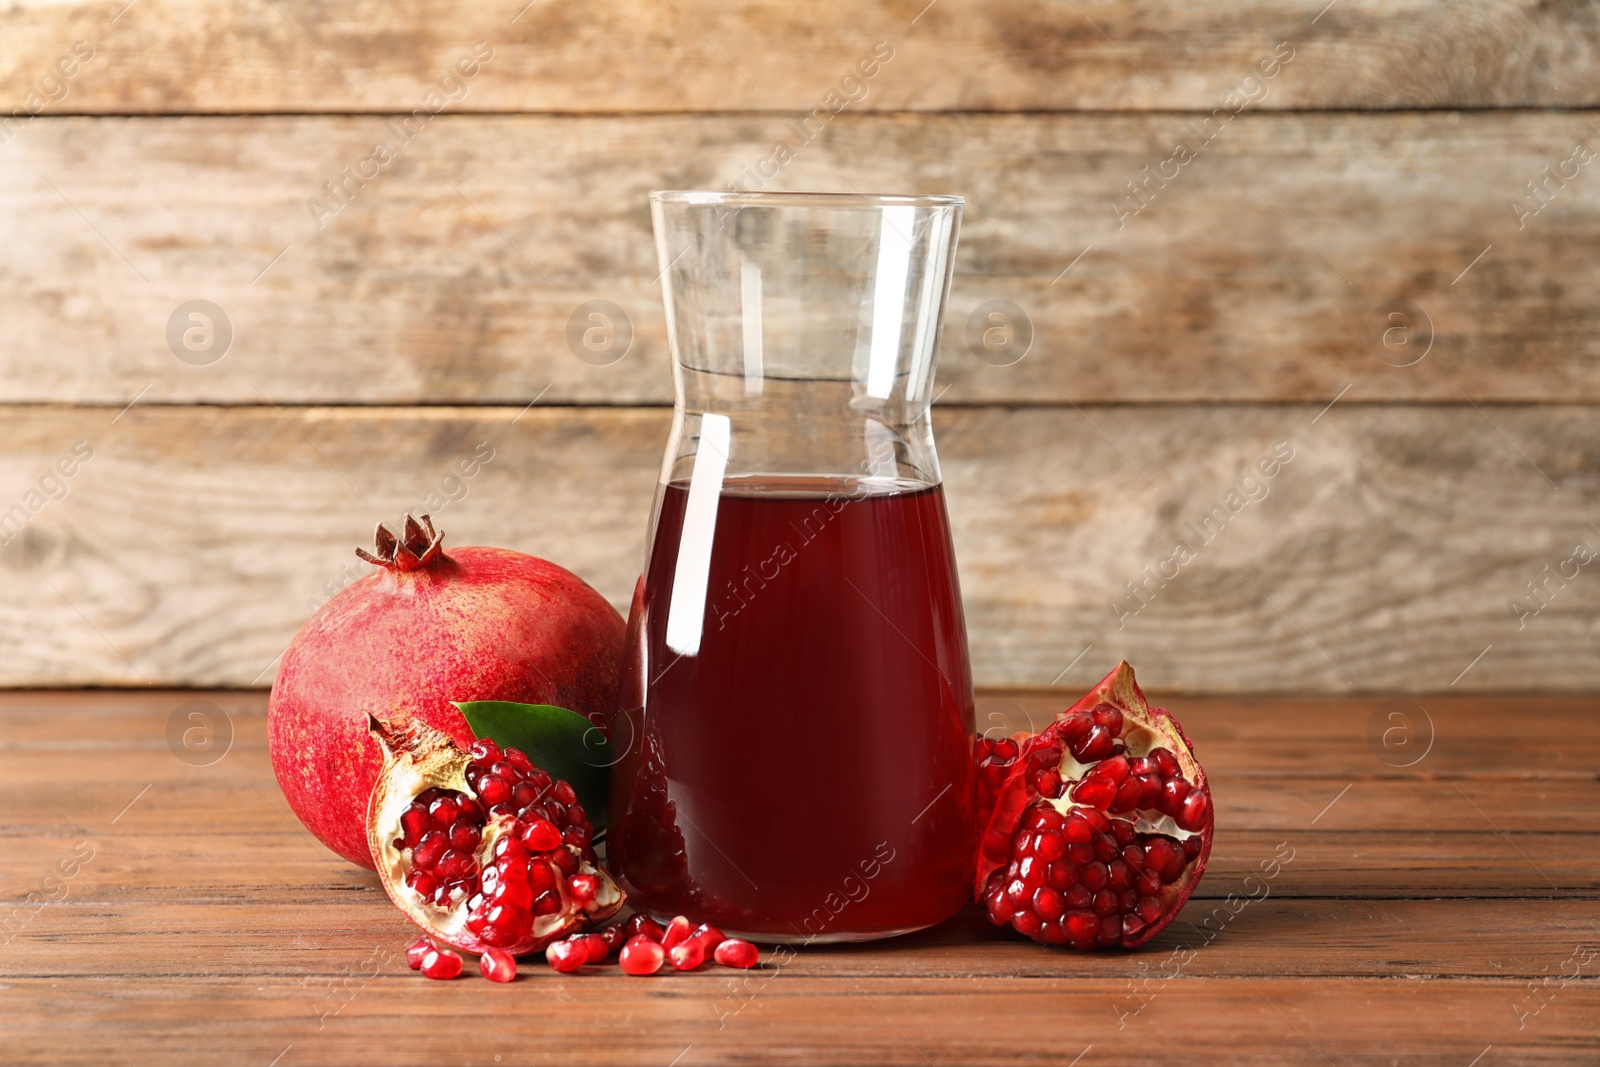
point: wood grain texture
(1384, 556)
(1024, 55)
(175, 943)
(1254, 275)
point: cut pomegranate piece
(1102, 826)
(449, 832)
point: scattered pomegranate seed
(441, 963)
(686, 955)
(416, 951)
(567, 956)
(643, 926)
(497, 966)
(709, 937)
(595, 945)
(615, 936)
(677, 931)
(641, 956)
(735, 953)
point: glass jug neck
(804, 331)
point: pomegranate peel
(1102, 825)
(484, 889)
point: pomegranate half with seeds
(480, 848)
(1101, 826)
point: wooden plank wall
(1206, 213)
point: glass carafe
(797, 708)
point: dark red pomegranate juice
(807, 773)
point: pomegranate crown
(419, 546)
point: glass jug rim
(858, 201)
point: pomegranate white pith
(1101, 824)
(475, 894)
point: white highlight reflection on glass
(750, 312)
(927, 322)
(889, 297)
(686, 613)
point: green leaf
(563, 743)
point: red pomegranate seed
(643, 926)
(1173, 793)
(464, 836)
(493, 790)
(417, 951)
(642, 956)
(430, 850)
(709, 937)
(414, 822)
(542, 835)
(506, 925)
(1096, 744)
(596, 945)
(1109, 716)
(614, 936)
(677, 931)
(443, 812)
(567, 956)
(1116, 769)
(441, 963)
(497, 966)
(511, 893)
(583, 887)
(686, 955)
(423, 884)
(1196, 812)
(1095, 792)
(736, 953)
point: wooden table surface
(1439, 903)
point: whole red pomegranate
(427, 629)
(1100, 825)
